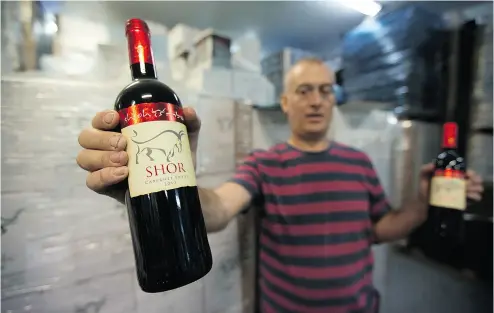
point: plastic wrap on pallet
(482, 110)
(393, 31)
(397, 74)
(355, 67)
(419, 85)
(419, 57)
(390, 56)
(480, 155)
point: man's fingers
(426, 170)
(474, 196)
(474, 187)
(192, 120)
(106, 177)
(106, 120)
(94, 139)
(472, 176)
(94, 160)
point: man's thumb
(192, 121)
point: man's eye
(303, 92)
(327, 90)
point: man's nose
(316, 99)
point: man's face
(308, 99)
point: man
(323, 204)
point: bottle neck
(140, 55)
(143, 70)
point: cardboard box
(223, 288)
(242, 120)
(211, 50)
(181, 37)
(164, 72)
(179, 69)
(253, 88)
(480, 156)
(216, 143)
(246, 54)
(215, 81)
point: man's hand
(474, 184)
(104, 156)
(400, 223)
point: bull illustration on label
(151, 145)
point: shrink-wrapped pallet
(482, 104)
(396, 57)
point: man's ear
(284, 102)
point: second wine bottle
(448, 198)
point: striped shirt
(316, 229)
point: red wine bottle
(448, 199)
(169, 237)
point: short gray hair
(306, 60)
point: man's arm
(398, 224)
(389, 224)
(221, 205)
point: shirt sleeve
(379, 204)
(247, 175)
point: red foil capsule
(138, 34)
(450, 132)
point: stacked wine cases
(478, 107)
(479, 151)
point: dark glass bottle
(448, 196)
(169, 237)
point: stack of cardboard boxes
(198, 66)
(202, 59)
(480, 143)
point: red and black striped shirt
(316, 233)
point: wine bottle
(448, 189)
(169, 236)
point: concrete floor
(419, 286)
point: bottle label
(448, 189)
(158, 148)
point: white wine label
(448, 190)
(158, 148)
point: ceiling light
(367, 7)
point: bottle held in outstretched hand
(169, 236)
(448, 198)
